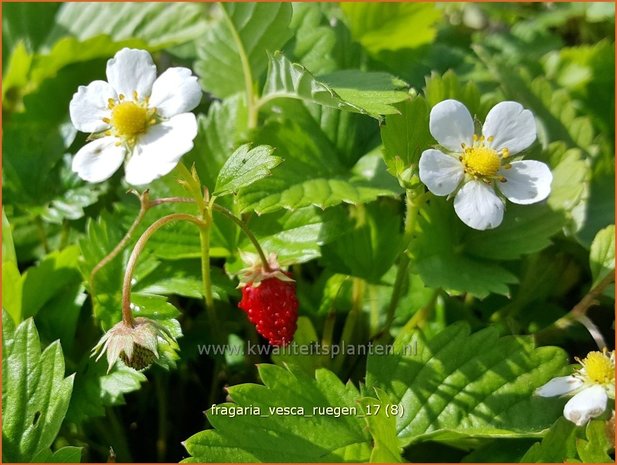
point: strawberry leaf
(278, 437)
(245, 166)
(35, 393)
(459, 385)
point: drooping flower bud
(137, 346)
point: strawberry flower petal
(478, 207)
(559, 386)
(440, 172)
(160, 149)
(511, 126)
(451, 124)
(98, 160)
(587, 404)
(175, 91)
(527, 182)
(89, 106)
(131, 70)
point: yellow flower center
(599, 368)
(129, 119)
(481, 161)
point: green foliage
(376, 233)
(370, 93)
(245, 166)
(239, 43)
(96, 389)
(602, 254)
(457, 385)
(311, 174)
(159, 25)
(35, 393)
(297, 438)
(405, 136)
(387, 26)
(564, 442)
(219, 133)
(297, 235)
(310, 129)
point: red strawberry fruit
(272, 307)
(269, 300)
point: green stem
(422, 315)
(413, 203)
(375, 307)
(64, 234)
(42, 234)
(127, 314)
(228, 214)
(357, 291)
(246, 71)
(204, 240)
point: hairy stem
(127, 314)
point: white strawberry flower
(592, 385)
(477, 169)
(135, 117)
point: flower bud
(136, 345)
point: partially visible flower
(476, 168)
(135, 117)
(592, 385)
(137, 346)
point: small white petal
(89, 106)
(511, 126)
(440, 172)
(451, 124)
(98, 160)
(559, 386)
(526, 182)
(478, 207)
(175, 91)
(131, 70)
(159, 150)
(587, 404)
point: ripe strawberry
(269, 299)
(272, 307)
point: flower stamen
(598, 368)
(481, 161)
(129, 119)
